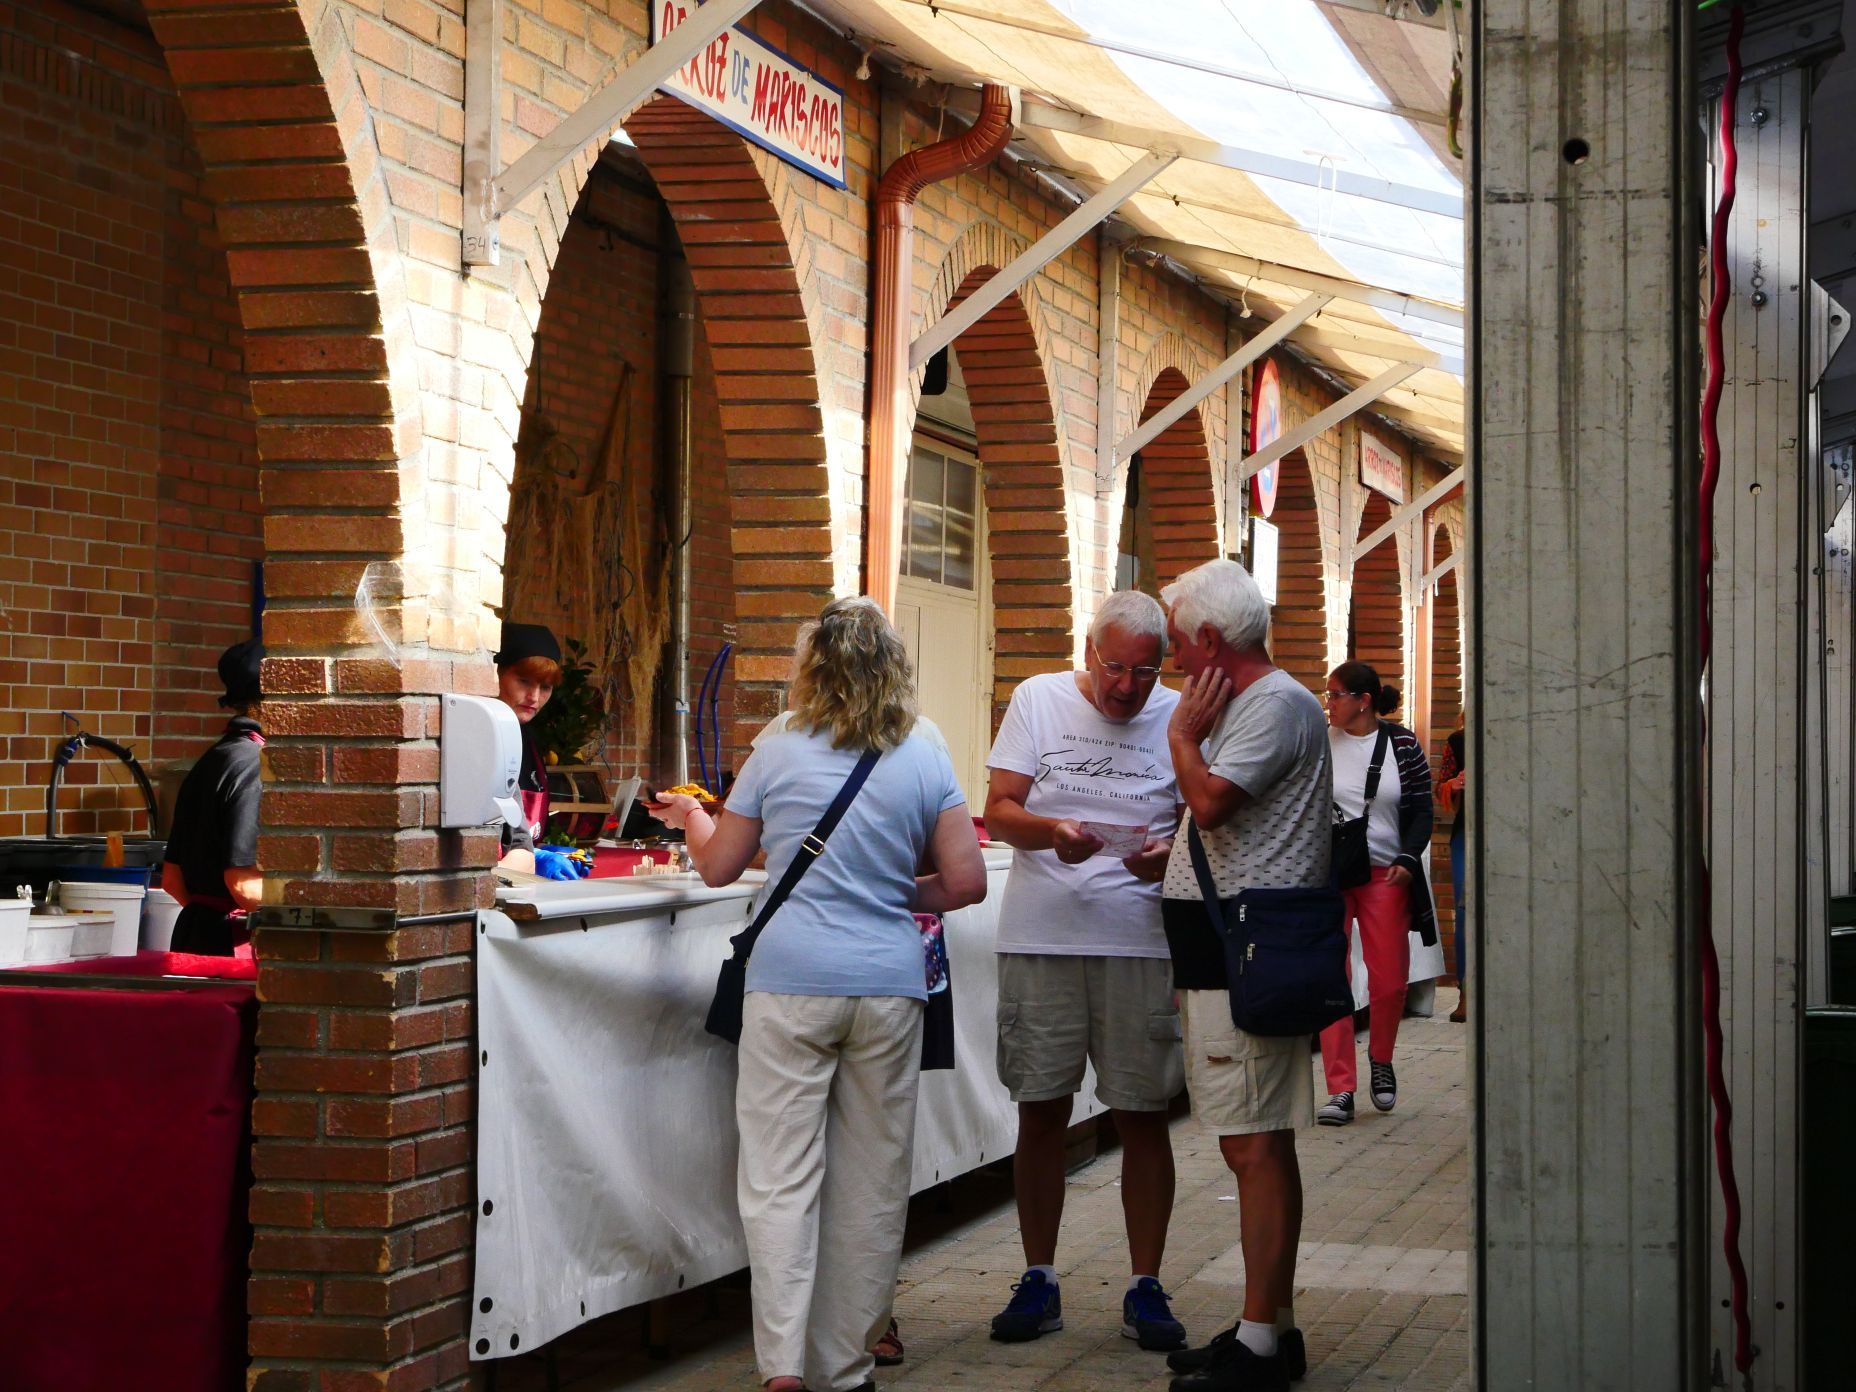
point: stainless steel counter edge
(645, 893)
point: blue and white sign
(753, 88)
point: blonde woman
(831, 1028)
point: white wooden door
(942, 606)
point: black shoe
(1289, 1344)
(1234, 1368)
(1036, 1308)
(1385, 1086)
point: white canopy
(1295, 159)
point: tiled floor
(1382, 1288)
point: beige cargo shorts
(1243, 1083)
(1058, 1013)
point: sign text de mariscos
(751, 86)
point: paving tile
(1382, 1278)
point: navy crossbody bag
(1285, 953)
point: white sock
(1260, 1339)
(1050, 1272)
(1285, 1319)
(1134, 1281)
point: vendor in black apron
(212, 852)
(528, 668)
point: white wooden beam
(1043, 116)
(1337, 340)
(1334, 415)
(603, 110)
(1219, 375)
(1108, 360)
(1438, 571)
(483, 41)
(1028, 263)
(1436, 493)
(1389, 301)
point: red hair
(544, 671)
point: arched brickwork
(1446, 701)
(1026, 513)
(1376, 622)
(1298, 623)
(1176, 486)
(747, 291)
(1446, 641)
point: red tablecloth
(124, 1174)
(241, 966)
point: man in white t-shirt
(1082, 785)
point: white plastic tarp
(606, 1132)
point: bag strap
(1201, 868)
(1372, 769)
(809, 850)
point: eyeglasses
(1117, 670)
(1343, 696)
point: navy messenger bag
(1285, 953)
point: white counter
(606, 1132)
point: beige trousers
(826, 1107)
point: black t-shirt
(216, 813)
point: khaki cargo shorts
(1058, 1013)
(1243, 1083)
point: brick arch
(1027, 517)
(1176, 485)
(1446, 640)
(754, 318)
(1376, 620)
(1299, 623)
(269, 96)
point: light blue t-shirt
(847, 928)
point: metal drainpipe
(678, 368)
(974, 148)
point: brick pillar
(360, 1265)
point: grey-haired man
(1083, 787)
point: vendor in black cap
(212, 854)
(528, 668)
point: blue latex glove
(553, 864)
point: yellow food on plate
(695, 790)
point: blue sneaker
(1145, 1317)
(1036, 1308)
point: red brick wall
(127, 467)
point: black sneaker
(1234, 1368)
(1289, 1345)
(1036, 1309)
(1147, 1316)
(1385, 1087)
(1337, 1110)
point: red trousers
(1383, 911)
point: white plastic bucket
(122, 900)
(159, 911)
(91, 932)
(13, 915)
(48, 937)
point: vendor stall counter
(606, 1150)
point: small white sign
(755, 89)
(1380, 469)
(1263, 541)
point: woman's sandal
(889, 1351)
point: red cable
(1710, 479)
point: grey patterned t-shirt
(1271, 741)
